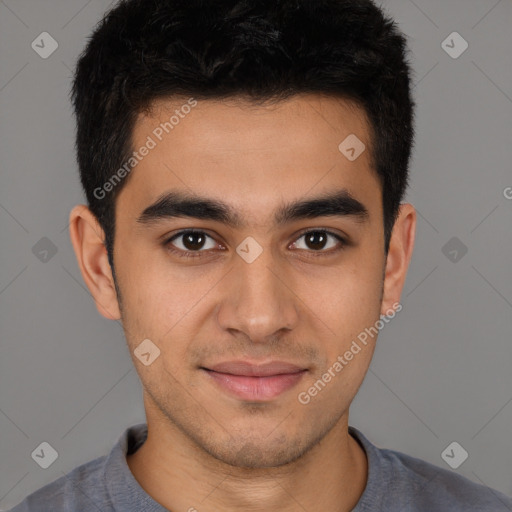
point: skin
(207, 450)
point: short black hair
(259, 50)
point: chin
(258, 454)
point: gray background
(441, 371)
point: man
(244, 164)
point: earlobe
(87, 238)
(399, 256)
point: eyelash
(195, 254)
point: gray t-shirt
(396, 483)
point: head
(280, 131)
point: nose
(258, 300)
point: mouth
(252, 382)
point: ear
(401, 246)
(87, 238)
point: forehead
(234, 124)
(251, 156)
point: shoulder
(104, 483)
(442, 489)
(411, 484)
(83, 489)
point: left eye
(317, 240)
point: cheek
(348, 303)
(349, 292)
(159, 299)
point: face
(256, 276)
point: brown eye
(318, 241)
(193, 241)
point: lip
(255, 382)
(248, 369)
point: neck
(179, 475)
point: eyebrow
(179, 204)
